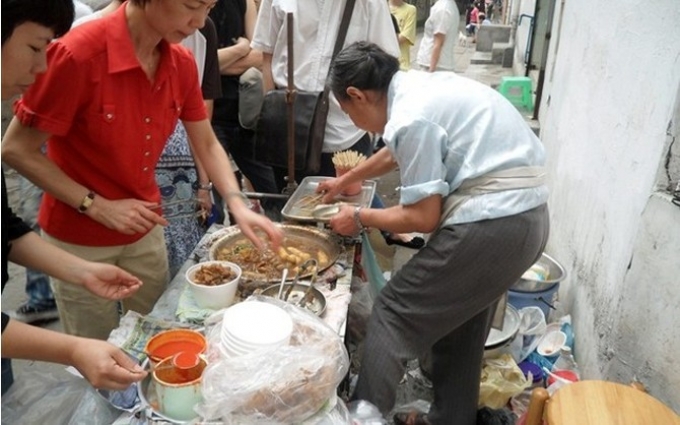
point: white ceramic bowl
(214, 296)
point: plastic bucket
(545, 300)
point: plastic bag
(532, 326)
(362, 412)
(371, 267)
(287, 385)
(501, 380)
(359, 310)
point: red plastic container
(566, 374)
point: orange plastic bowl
(168, 343)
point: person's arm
(423, 216)
(212, 156)
(407, 33)
(101, 363)
(104, 280)
(436, 51)
(203, 195)
(254, 57)
(230, 55)
(21, 149)
(267, 76)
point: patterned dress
(175, 175)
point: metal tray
(311, 238)
(294, 211)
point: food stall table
(69, 399)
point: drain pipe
(514, 19)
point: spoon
(182, 361)
(283, 281)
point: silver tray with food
(299, 244)
(305, 205)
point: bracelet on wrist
(86, 202)
(357, 219)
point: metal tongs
(304, 266)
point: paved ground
(13, 295)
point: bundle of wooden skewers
(347, 159)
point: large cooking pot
(543, 275)
(318, 242)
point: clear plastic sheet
(287, 385)
(63, 395)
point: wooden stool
(598, 403)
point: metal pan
(316, 301)
(319, 242)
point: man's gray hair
(362, 65)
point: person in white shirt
(472, 175)
(439, 37)
(316, 27)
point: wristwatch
(86, 202)
(198, 186)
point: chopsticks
(347, 159)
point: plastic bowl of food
(214, 283)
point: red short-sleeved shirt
(108, 122)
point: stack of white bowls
(253, 326)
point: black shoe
(30, 314)
(415, 243)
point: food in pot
(214, 274)
(266, 264)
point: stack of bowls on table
(254, 326)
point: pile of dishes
(254, 326)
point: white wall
(610, 95)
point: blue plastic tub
(545, 300)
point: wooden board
(606, 403)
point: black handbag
(309, 111)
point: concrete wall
(609, 120)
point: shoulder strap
(344, 25)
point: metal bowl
(555, 274)
(316, 300)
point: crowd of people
(129, 139)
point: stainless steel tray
(299, 209)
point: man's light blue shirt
(444, 129)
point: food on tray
(214, 274)
(267, 264)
